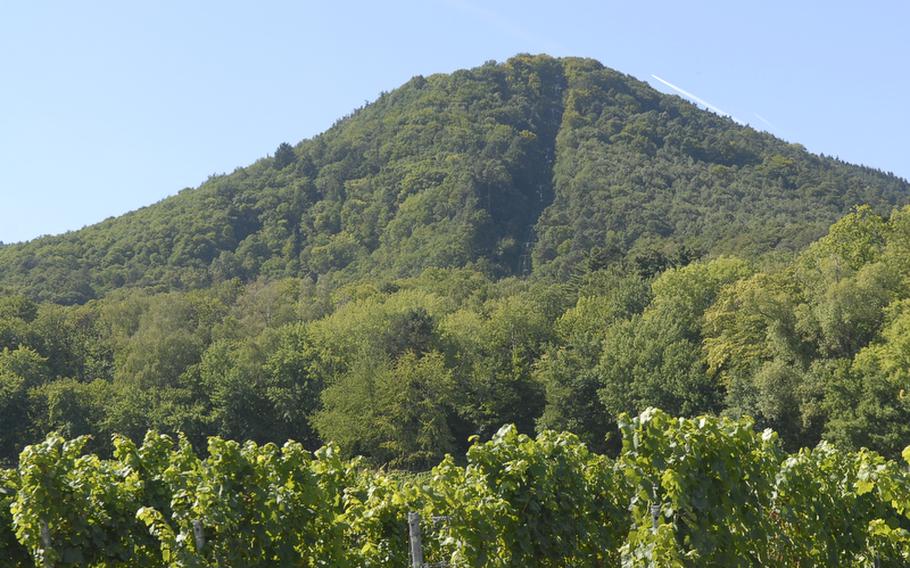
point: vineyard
(682, 492)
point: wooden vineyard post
(46, 543)
(416, 544)
(198, 535)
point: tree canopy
(542, 242)
(537, 165)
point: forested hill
(533, 165)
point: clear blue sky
(107, 106)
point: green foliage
(76, 510)
(20, 370)
(713, 481)
(681, 492)
(535, 165)
(263, 387)
(494, 355)
(514, 243)
(541, 242)
(526, 489)
(284, 156)
(654, 359)
(567, 371)
(402, 415)
(11, 550)
(403, 371)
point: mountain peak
(537, 165)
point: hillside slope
(532, 165)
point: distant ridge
(533, 166)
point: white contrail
(697, 99)
(763, 119)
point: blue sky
(108, 106)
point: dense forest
(404, 371)
(532, 166)
(544, 243)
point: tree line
(407, 370)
